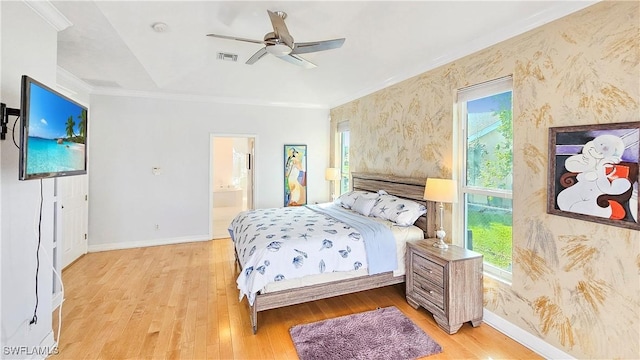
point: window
(486, 173)
(343, 130)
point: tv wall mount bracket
(5, 112)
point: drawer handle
(427, 290)
(426, 269)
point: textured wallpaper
(576, 284)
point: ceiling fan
(280, 43)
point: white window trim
(342, 128)
(462, 96)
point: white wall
(28, 47)
(2, 336)
(130, 135)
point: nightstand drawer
(429, 291)
(428, 269)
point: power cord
(34, 319)
(13, 132)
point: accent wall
(575, 284)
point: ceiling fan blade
(309, 47)
(257, 56)
(297, 60)
(280, 28)
(236, 38)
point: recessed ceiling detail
(102, 83)
(112, 41)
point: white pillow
(363, 205)
(401, 211)
(347, 200)
(382, 208)
(410, 213)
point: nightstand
(446, 282)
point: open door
(231, 180)
(74, 206)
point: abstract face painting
(594, 173)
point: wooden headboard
(403, 187)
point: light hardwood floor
(181, 302)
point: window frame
(462, 96)
(343, 128)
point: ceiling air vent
(227, 57)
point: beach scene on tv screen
(56, 133)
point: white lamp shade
(441, 190)
(332, 174)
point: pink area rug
(378, 334)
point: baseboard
(525, 338)
(146, 243)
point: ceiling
(112, 47)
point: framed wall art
(593, 173)
(295, 175)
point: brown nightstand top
(452, 253)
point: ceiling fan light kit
(280, 43)
(279, 49)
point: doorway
(231, 180)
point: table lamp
(332, 174)
(441, 191)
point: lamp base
(440, 234)
(440, 244)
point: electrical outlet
(157, 227)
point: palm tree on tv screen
(82, 126)
(69, 127)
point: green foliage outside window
(490, 167)
(490, 235)
(495, 172)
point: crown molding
(562, 9)
(50, 13)
(97, 90)
(202, 98)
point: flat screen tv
(53, 133)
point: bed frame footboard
(304, 294)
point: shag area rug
(378, 334)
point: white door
(73, 197)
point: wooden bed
(408, 188)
